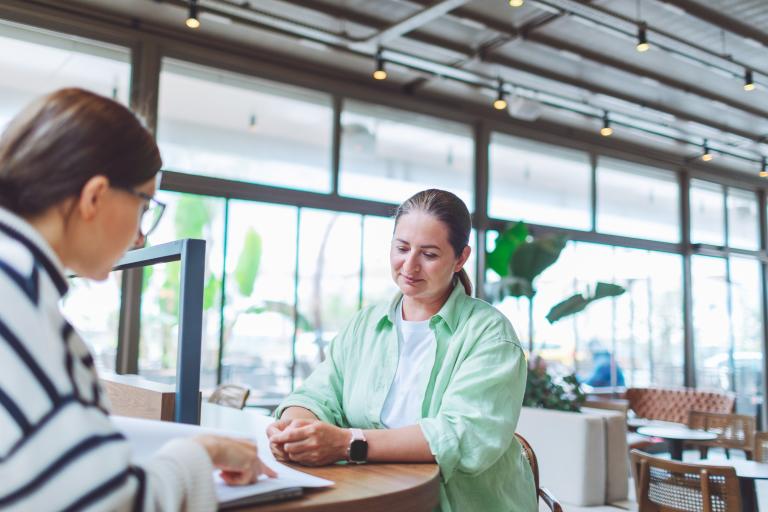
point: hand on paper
(236, 458)
(308, 442)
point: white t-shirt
(417, 345)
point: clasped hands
(308, 442)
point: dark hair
(451, 211)
(60, 141)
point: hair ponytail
(463, 278)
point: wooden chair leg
(703, 451)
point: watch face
(358, 451)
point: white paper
(146, 437)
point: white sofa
(582, 456)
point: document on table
(147, 436)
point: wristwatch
(357, 452)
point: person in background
(77, 179)
(433, 376)
(601, 368)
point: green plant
(543, 391)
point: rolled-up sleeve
(480, 408)
(322, 391)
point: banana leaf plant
(519, 259)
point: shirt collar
(449, 312)
(16, 228)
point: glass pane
(747, 334)
(711, 328)
(35, 62)
(707, 213)
(637, 201)
(259, 324)
(743, 231)
(539, 183)
(642, 327)
(93, 308)
(254, 131)
(187, 216)
(389, 155)
(378, 286)
(329, 281)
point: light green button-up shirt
(472, 397)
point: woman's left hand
(313, 442)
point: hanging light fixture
(749, 82)
(764, 168)
(642, 38)
(379, 73)
(192, 19)
(252, 123)
(606, 130)
(500, 103)
(516, 3)
(707, 155)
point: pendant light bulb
(642, 38)
(500, 103)
(192, 20)
(749, 82)
(606, 130)
(379, 73)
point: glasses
(150, 214)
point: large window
(389, 155)
(227, 125)
(34, 62)
(743, 231)
(642, 328)
(707, 213)
(539, 183)
(637, 201)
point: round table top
(681, 433)
(369, 487)
(645, 422)
(744, 468)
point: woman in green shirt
(433, 376)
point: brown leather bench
(674, 404)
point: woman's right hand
(237, 459)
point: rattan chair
(664, 485)
(734, 431)
(542, 493)
(761, 447)
(230, 395)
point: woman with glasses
(77, 183)
(433, 376)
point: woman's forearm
(405, 444)
(297, 413)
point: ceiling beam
(717, 18)
(414, 21)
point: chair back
(664, 485)
(670, 404)
(542, 493)
(230, 395)
(732, 430)
(761, 447)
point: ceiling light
(379, 74)
(749, 82)
(500, 103)
(707, 154)
(642, 38)
(516, 3)
(764, 169)
(192, 19)
(606, 130)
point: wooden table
(748, 471)
(367, 487)
(676, 436)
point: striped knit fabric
(58, 447)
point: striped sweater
(58, 447)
